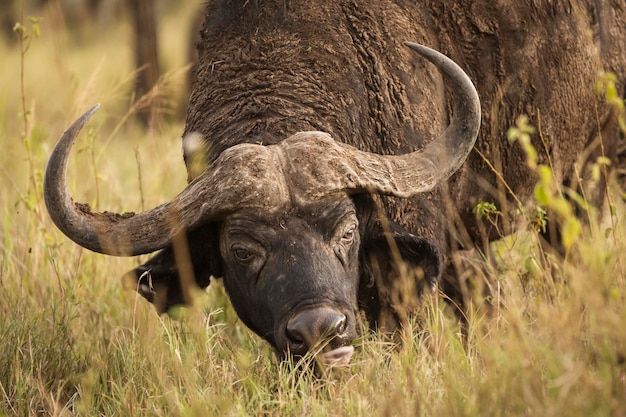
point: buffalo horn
(237, 180)
(420, 171)
(338, 167)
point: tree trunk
(146, 59)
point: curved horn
(237, 181)
(423, 170)
(342, 167)
(448, 152)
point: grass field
(73, 341)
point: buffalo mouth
(337, 357)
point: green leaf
(562, 208)
(539, 220)
(610, 93)
(570, 231)
(485, 208)
(545, 175)
(512, 134)
(542, 196)
(595, 172)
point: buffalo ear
(397, 266)
(159, 279)
(420, 255)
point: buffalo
(326, 157)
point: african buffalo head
(279, 223)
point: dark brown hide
(271, 68)
(539, 59)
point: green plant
(26, 33)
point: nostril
(296, 340)
(340, 325)
(294, 334)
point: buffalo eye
(242, 254)
(348, 236)
(344, 244)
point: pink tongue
(338, 357)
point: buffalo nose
(312, 326)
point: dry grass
(73, 342)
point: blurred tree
(75, 13)
(8, 19)
(146, 58)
